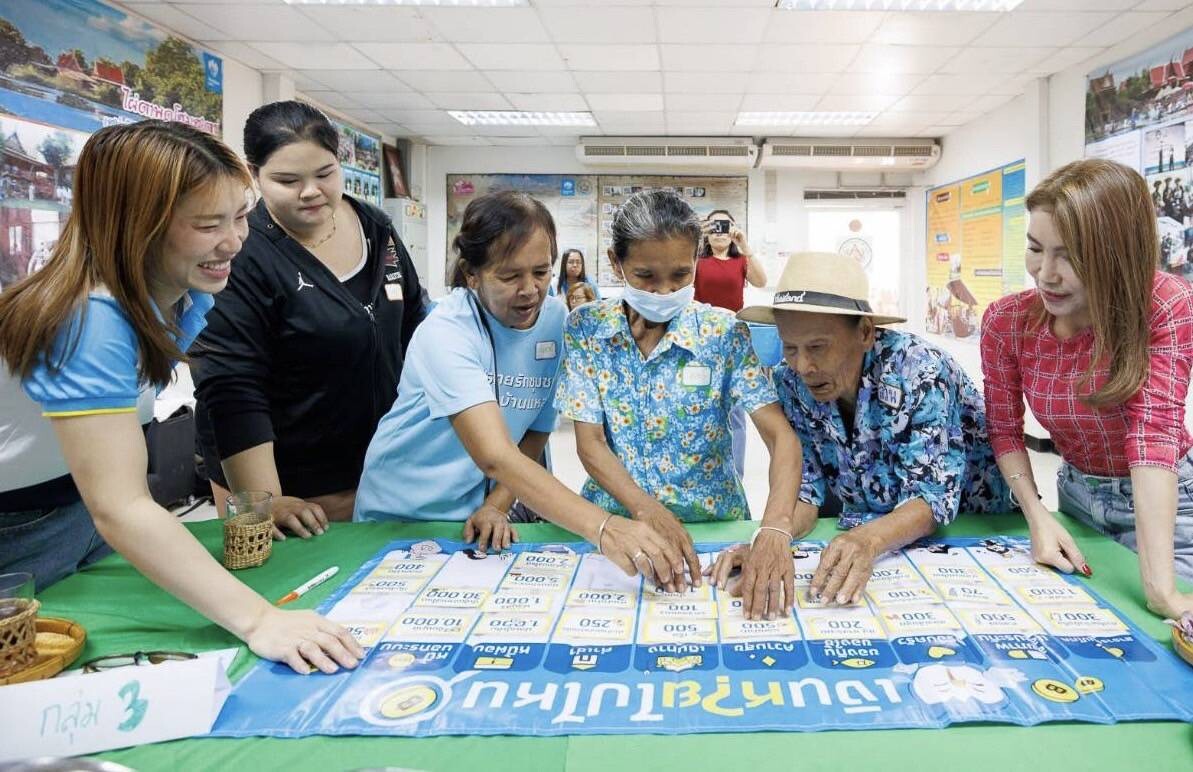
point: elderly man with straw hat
(890, 425)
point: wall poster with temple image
(976, 231)
(67, 69)
(1139, 112)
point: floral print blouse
(919, 432)
(666, 416)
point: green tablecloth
(123, 612)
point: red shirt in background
(721, 283)
(1021, 361)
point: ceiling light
(448, 3)
(520, 118)
(990, 6)
(781, 120)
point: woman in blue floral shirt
(889, 423)
(650, 378)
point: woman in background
(572, 273)
(304, 349)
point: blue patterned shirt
(666, 416)
(919, 432)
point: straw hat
(820, 283)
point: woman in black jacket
(303, 350)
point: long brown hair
(1104, 215)
(127, 185)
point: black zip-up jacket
(291, 356)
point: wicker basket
(18, 640)
(248, 540)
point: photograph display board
(360, 159)
(571, 199)
(1139, 112)
(583, 205)
(976, 232)
(67, 69)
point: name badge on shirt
(890, 395)
(393, 291)
(544, 349)
(696, 375)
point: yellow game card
(897, 574)
(426, 625)
(404, 569)
(826, 625)
(1054, 594)
(534, 580)
(984, 594)
(514, 628)
(562, 562)
(681, 609)
(1079, 620)
(678, 631)
(1026, 574)
(742, 629)
(653, 594)
(802, 600)
(955, 574)
(919, 620)
(614, 599)
(521, 602)
(894, 595)
(384, 586)
(452, 597)
(1011, 620)
(366, 633)
(585, 626)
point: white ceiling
(654, 67)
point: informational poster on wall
(67, 69)
(1139, 112)
(703, 194)
(360, 160)
(571, 199)
(975, 240)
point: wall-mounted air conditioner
(669, 152)
(849, 154)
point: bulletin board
(1139, 112)
(583, 205)
(976, 232)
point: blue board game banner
(555, 640)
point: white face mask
(655, 307)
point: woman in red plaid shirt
(1101, 350)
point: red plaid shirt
(1019, 360)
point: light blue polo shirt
(96, 358)
(416, 467)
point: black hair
(653, 215)
(494, 227)
(706, 248)
(561, 285)
(271, 127)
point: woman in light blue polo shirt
(159, 213)
(650, 378)
(474, 406)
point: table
(123, 612)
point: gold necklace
(325, 239)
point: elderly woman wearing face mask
(650, 378)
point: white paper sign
(114, 709)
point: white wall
(242, 95)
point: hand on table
(303, 639)
(767, 582)
(1052, 545)
(490, 527)
(845, 568)
(636, 548)
(299, 517)
(667, 525)
(1173, 605)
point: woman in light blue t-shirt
(474, 406)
